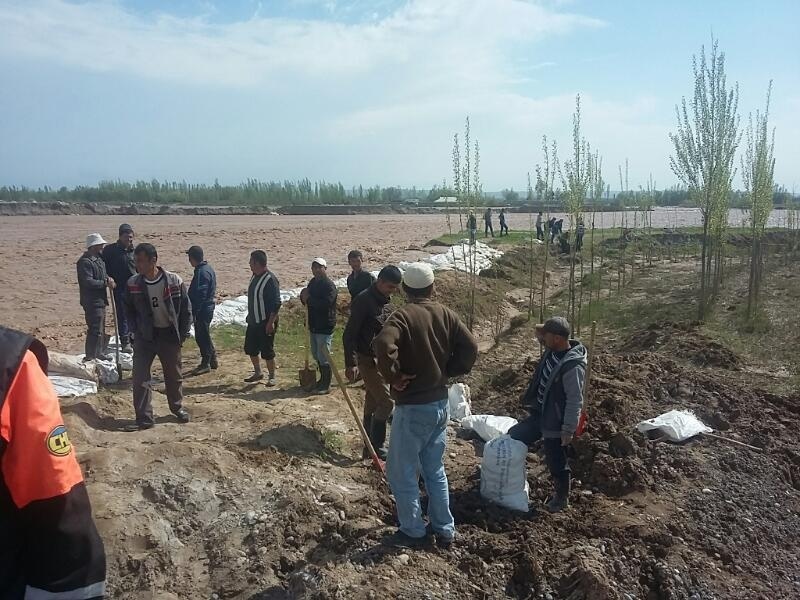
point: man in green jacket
(420, 346)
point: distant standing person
(319, 296)
(159, 313)
(93, 281)
(420, 346)
(121, 266)
(368, 312)
(579, 233)
(472, 226)
(487, 223)
(539, 232)
(201, 294)
(263, 304)
(503, 225)
(359, 279)
(554, 398)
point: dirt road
(38, 254)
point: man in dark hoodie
(93, 282)
(554, 399)
(121, 266)
(368, 312)
(201, 294)
(359, 279)
(320, 297)
(421, 345)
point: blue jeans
(319, 341)
(417, 444)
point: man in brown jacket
(420, 346)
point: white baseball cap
(94, 239)
(320, 261)
(418, 276)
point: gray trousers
(95, 330)
(167, 347)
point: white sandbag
(458, 401)
(107, 371)
(488, 426)
(72, 387)
(504, 479)
(69, 365)
(677, 425)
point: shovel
(116, 333)
(308, 376)
(377, 462)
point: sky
(370, 91)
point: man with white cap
(319, 296)
(93, 281)
(421, 346)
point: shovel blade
(308, 377)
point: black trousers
(539, 233)
(95, 330)
(503, 227)
(529, 431)
(488, 229)
(202, 334)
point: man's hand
(111, 283)
(304, 295)
(270, 328)
(566, 439)
(351, 373)
(401, 381)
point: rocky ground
(261, 496)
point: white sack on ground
(488, 427)
(458, 400)
(69, 365)
(503, 473)
(677, 425)
(72, 387)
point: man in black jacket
(93, 281)
(121, 266)
(320, 297)
(201, 294)
(554, 399)
(359, 279)
(263, 304)
(160, 314)
(368, 312)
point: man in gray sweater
(554, 399)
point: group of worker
(405, 357)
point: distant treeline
(305, 192)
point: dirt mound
(683, 340)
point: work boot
(378, 437)
(560, 500)
(125, 345)
(324, 384)
(368, 428)
(400, 539)
(202, 368)
(256, 376)
(182, 415)
(213, 363)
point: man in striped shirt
(263, 304)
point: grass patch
(332, 441)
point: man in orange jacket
(49, 545)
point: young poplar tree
(545, 180)
(576, 179)
(704, 150)
(758, 168)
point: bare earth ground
(38, 286)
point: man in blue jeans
(420, 346)
(554, 399)
(319, 296)
(121, 266)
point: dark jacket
(140, 312)
(321, 304)
(120, 263)
(368, 313)
(472, 223)
(202, 289)
(563, 396)
(49, 545)
(358, 283)
(428, 340)
(263, 297)
(92, 281)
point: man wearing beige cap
(319, 296)
(93, 281)
(420, 346)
